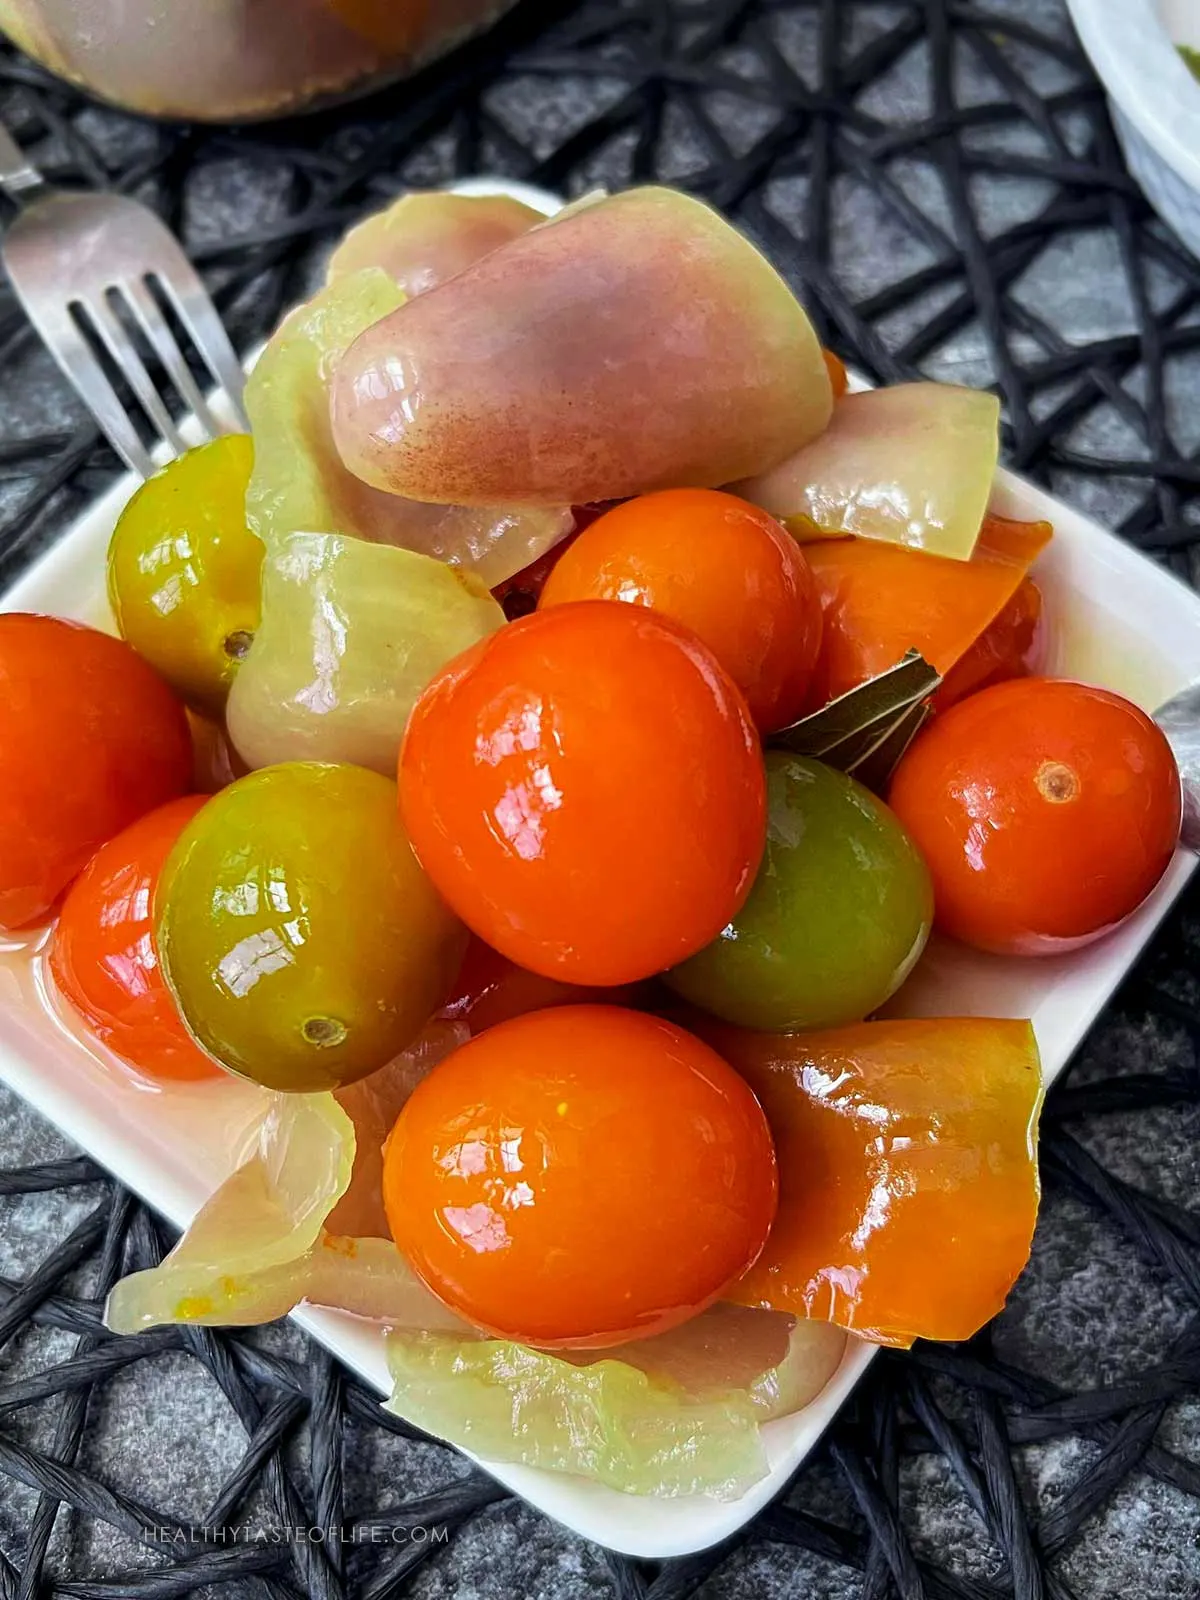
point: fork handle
(19, 178)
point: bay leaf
(868, 729)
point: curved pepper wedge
(880, 600)
(907, 1166)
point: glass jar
(232, 60)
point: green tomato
(304, 946)
(836, 920)
(184, 571)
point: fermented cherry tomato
(721, 567)
(302, 943)
(586, 790)
(184, 571)
(104, 958)
(1047, 811)
(580, 1176)
(491, 989)
(1012, 647)
(90, 740)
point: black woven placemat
(942, 182)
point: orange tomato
(90, 740)
(579, 1177)
(908, 1186)
(1047, 812)
(585, 789)
(724, 569)
(1012, 647)
(104, 958)
(839, 378)
(491, 989)
(880, 600)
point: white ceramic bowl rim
(1142, 69)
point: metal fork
(77, 257)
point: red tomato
(104, 958)
(90, 740)
(580, 1176)
(585, 789)
(490, 989)
(1047, 812)
(1012, 647)
(724, 569)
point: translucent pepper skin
(423, 239)
(837, 918)
(1012, 646)
(580, 1176)
(299, 484)
(911, 465)
(585, 788)
(351, 633)
(633, 343)
(304, 946)
(879, 600)
(908, 1172)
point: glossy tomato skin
(491, 989)
(1047, 812)
(585, 788)
(90, 740)
(104, 957)
(184, 571)
(580, 1176)
(302, 943)
(838, 917)
(722, 568)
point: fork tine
(124, 352)
(154, 325)
(199, 316)
(69, 349)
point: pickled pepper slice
(911, 465)
(881, 600)
(907, 1166)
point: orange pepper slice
(880, 600)
(838, 376)
(907, 1170)
(1012, 646)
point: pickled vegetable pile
(537, 756)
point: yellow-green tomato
(838, 915)
(184, 571)
(304, 946)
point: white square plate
(1116, 620)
